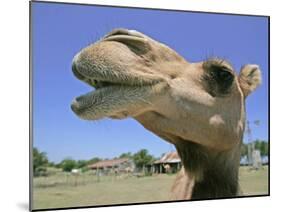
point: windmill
(251, 144)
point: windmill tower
(253, 154)
(250, 144)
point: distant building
(245, 162)
(168, 163)
(115, 165)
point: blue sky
(59, 31)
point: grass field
(61, 190)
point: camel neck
(208, 174)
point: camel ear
(249, 78)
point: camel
(167, 168)
(198, 107)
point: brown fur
(215, 173)
(198, 107)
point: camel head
(136, 76)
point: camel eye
(219, 80)
(224, 75)
(221, 75)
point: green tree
(257, 144)
(68, 164)
(126, 155)
(58, 165)
(262, 146)
(142, 158)
(40, 162)
(93, 160)
(81, 164)
(265, 148)
(51, 164)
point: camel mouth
(96, 83)
(120, 89)
(101, 88)
(111, 97)
(107, 80)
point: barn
(120, 165)
(170, 162)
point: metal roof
(169, 157)
(108, 163)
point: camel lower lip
(105, 101)
(110, 101)
(91, 98)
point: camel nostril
(119, 31)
